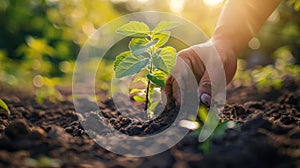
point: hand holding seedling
(147, 58)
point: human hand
(194, 58)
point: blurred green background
(40, 39)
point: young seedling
(148, 59)
(4, 106)
(219, 131)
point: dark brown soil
(50, 135)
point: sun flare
(212, 2)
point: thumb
(205, 89)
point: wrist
(225, 48)
(228, 56)
(226, 40)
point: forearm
(240, 20)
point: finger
(205, 89)
(179, 73)
(176, 93)
(206, 83)
(188, 66)
(168, 88)
(167, 94)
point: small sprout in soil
(4, 106)
(148, 59)
(219, 131)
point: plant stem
(148, 84)
(147, 96)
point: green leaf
(120, 57)
(150, 113)
(202, 113)
(165, 60)
(130, 65)
(139, 98)
(162, 38)
(153, 105)
(164, 26)
(155, 93)
(134, 29)
(220, 129)
(139, 45)
(206, 146)
(4, 106)
(137, 91)
(158, 78)
(143, 72)
(140, 79)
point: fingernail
(205, 98)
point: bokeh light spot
(38, 81)
(254, 44)
(65, 66)
(274, 17)
(177, 5)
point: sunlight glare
(189, 124)
(142, 1)
(177, 5)
(212, 2)
(119, 1)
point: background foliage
(40, 39)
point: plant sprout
(4, 106)
(218, 132)
(148, 59)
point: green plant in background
(39, 41)
(295, 3)
(270, 76)
(147, 59)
